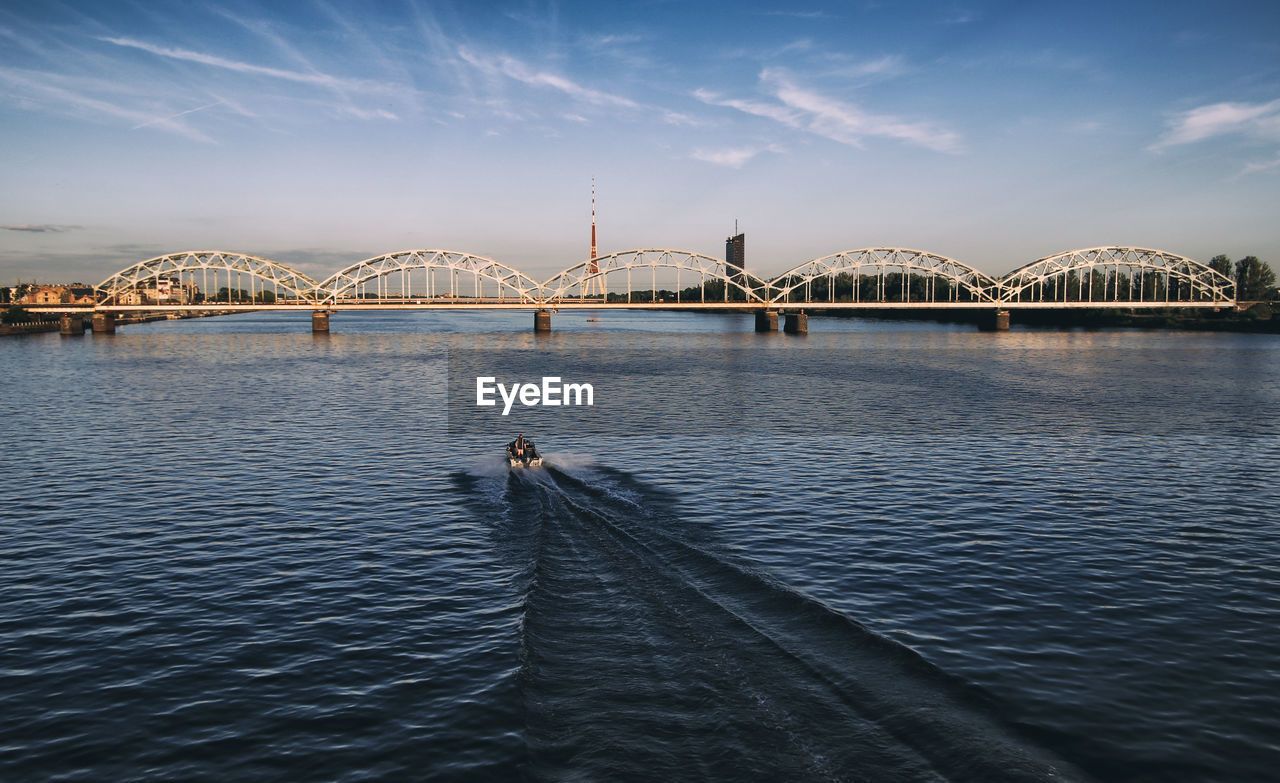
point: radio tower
(595, 284)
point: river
(884, 551)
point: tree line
(1255, 280)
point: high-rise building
(735, 252)
(735, 259)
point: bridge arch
(1117, 274)
(198, 276)
(882, 275)
(433, 276)
(653, 275)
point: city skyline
(987, 132)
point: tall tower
(594, 285)
(735, 258)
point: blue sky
(321, 133)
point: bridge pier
(104, 323)
(319, 321)
(994, 321)
(542, 321)
(71, 324)
(796, 323)
(766, 320)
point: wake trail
(646, 648)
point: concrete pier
(104, 323)
(542, 321)
(319, 321)
(796, 323)
(71, 324)
(766, 320)
(994, 321)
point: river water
(233, 550)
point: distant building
(78, 295)
(43, 295)
(735, 252)
(58, 294)
(735, 260)
(160, 291)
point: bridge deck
(587, 305)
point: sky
(321, 133)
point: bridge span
(881, 278)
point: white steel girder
(1124, 275)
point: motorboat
(521, 453)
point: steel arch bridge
(1116, 277)
(729, 286)
(413, 276)
(206, 269)
(880, 276)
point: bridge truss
(429, 276)
(653, 276)
(882, 277)
(1116, 276)
(216, 275)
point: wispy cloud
(806, 109)
(732, 157)
(798, 14)
(342, 87)
(53, 89)
(1258, 120)
(960, 17)
(514, 69)
(42, 228)
(890, 64)
(173, 117)
(1266, 165)
(316, 78)
(771, 111)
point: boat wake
(649, 652)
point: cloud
(341, 86)
(798, 14)
(370, 114)
(316, 78)
(960, 17)
(768, 110)
(514, 69)
(1254, 168)
(808, 110)
(846, 123)
(42, 228)
(49, 88)
(176, 116)
(732, 157)
(890, 64)
(1258, 120)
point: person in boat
(519, 447)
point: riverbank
(39, 327)
(30, 327)
(1259, 318)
